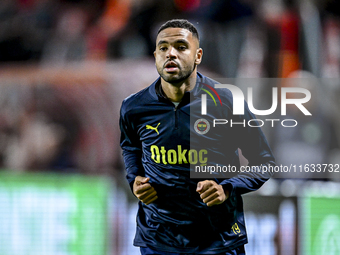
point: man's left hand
(212, 193)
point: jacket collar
(158, 94)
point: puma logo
(153, 128)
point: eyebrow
(162, 42)
(182, 41)
(178, 41)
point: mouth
(171, 67)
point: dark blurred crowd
(260, 38)
(64, 30)
(70, 124)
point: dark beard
(178, 80)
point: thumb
(199, 186)
(145, 180)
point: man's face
(177, 54)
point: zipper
(176, 117)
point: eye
(163, 48)
(182, 47)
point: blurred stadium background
(66, 66)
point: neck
(175, 91)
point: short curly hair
(180, 23)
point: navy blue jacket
(157, 138)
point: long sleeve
(132, 150)
(255, 148)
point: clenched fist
(143, 190)
(212, 193)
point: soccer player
(178, 214)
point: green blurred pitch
(50, 214)
(320, 220)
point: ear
(199, 55)
(154, 54)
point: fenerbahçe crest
(201, 126)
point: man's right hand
(143, 190)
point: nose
(171, 53)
